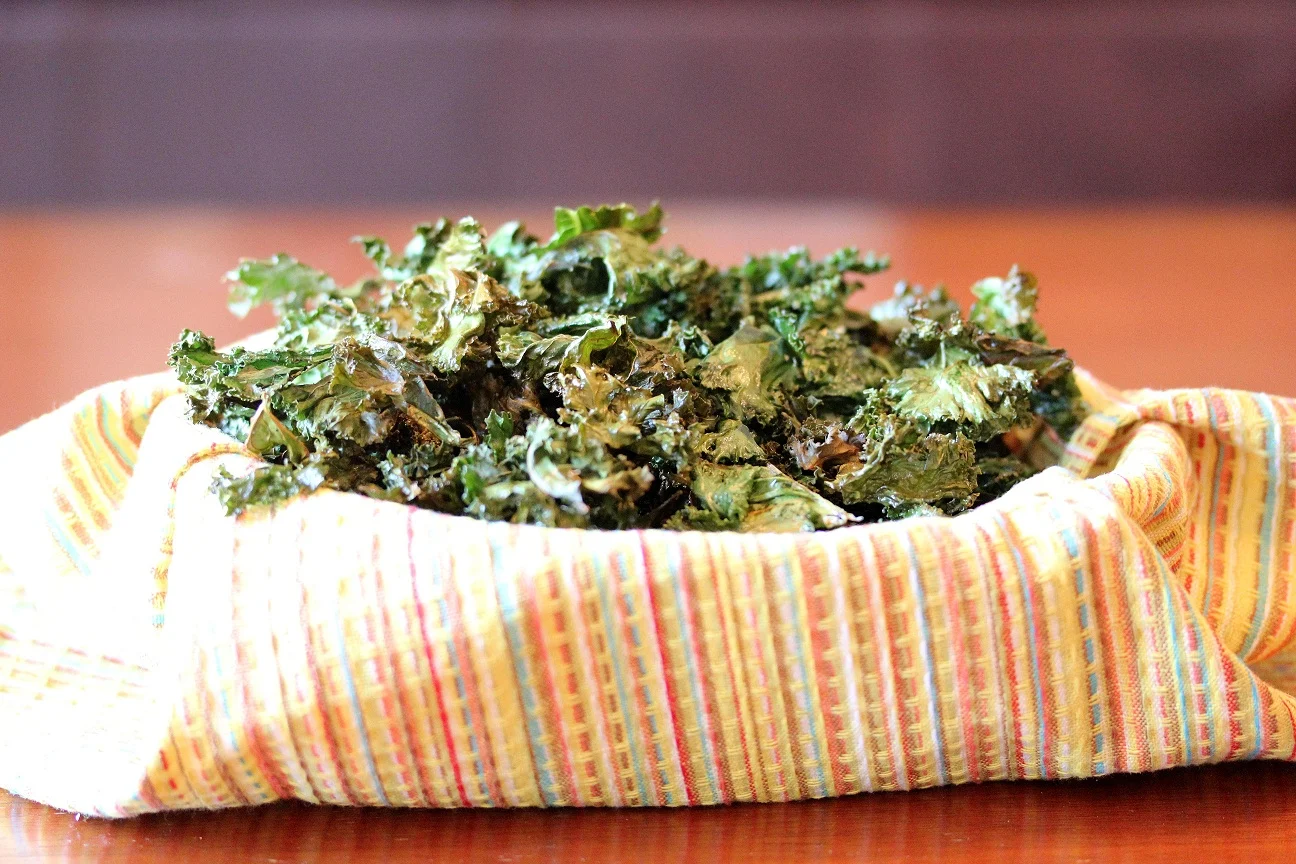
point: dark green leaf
(599, 381)
(282, 281)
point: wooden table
(1226, 813)
(1157, 297)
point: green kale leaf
(598, 380)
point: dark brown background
(898, 102)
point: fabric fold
(1127, 610)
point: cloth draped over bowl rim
(1130, 609)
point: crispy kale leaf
(755, 498)
(747, 373)
(598, 380)
(978, 401)
(1006, 307)
(282, 281)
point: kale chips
(598, 380)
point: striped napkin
(1129, 609)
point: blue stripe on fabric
(456, 669)
(509, 614)
(1161, 507)
(1215, 497)
(1091, 653)
(623, 695)
(650, 716)
(1259, 729)
(1177, 651)
(805, 676)
(1206, 693)
(230, 739)
(349, 682)
(695, 684)
(1266, 527)
(66, 543)
(101, 422)
(1030, 631)
(921, 599)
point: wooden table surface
(1153, 297)
(1158, 298)
(1222, 813)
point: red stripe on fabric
(1010, 652)
(111, 490)
(1218, 525)
(962, 649)
(1138, 756)
(71, 521)
(1268, 720)
(128, 411)
(832, 709)
(210, 709)
(681, 746)
(317, 681)
(1145, 599)
(786, 662)
(709, 696)
(1104, 619)
(180, 766)
(166, 766)
(1197, 687)
(148, 794)
(987, 678)
(881, 760)
(395, 711)
(427, 785)
(1234, 702)
(590, 710)
(1278, 615)
(101, 423)
(489, 779)
(772, 757)
(737, 676)
(615, 721)
(551, 696)
(1046, 711)
(915, 753)
(252, 732)
(652, 766)
(420, 608)
(1171, 616)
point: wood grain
(1225, 813)
(1158, 298)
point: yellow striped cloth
(1128, 610)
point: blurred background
(897, 102)
(145, 146)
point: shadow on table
(1238, 811)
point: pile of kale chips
(595, 380)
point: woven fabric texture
(1127, 610)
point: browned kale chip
(598, 380)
